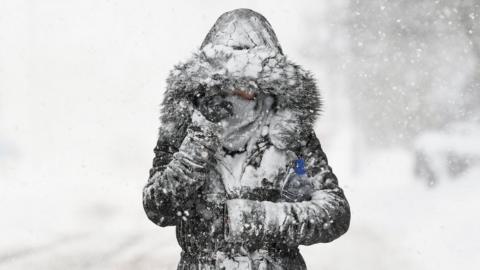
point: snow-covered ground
(398, 223)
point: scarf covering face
(247, 122)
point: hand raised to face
(216, 107)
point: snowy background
(80, 88)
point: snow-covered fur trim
(216, 68)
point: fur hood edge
(293, 87)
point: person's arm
(185, 150)
(323, 218)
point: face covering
(249, 116)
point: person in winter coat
(238, 168)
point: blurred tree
(469, 11)
(415, 66)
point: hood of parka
(241, 51)
(242, 29)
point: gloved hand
(201, 143)
(190, 166)
(215, 108)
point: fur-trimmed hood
(242, 51)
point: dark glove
(190, 166)
(214, 108)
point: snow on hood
(242, 29)
(240, 42)
(241, 51)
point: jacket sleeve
(179, 167)
(323, 218)
(159, 205)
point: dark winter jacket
(254, 217)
